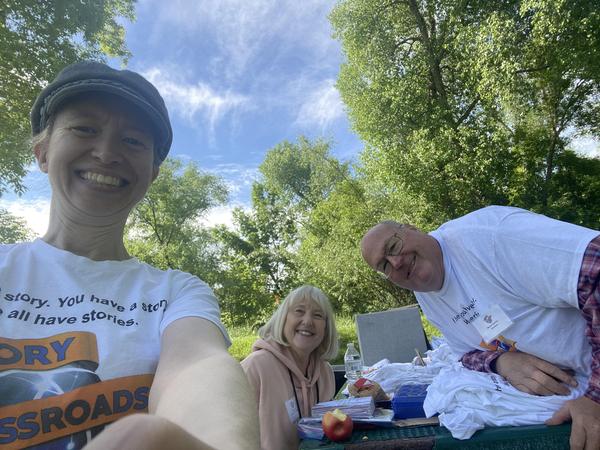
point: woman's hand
(367, 388)
(145, 431)
(533, 375)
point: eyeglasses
(393, 247)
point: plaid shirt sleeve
(588, 295)
(480, 360)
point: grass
(243, 337)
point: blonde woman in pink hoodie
(288, 365)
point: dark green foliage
(471, 103)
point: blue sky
(238, 77)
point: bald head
(376, 237)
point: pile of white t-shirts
(391, 375)
(467, 401)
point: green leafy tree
(575, 190)
(301, 174)
(547, 87)
(13, 229)
(37, 39)
(257, 259)
(259, 256)
(329, 255)
(164, 228)
(325, 210)
(464, 104)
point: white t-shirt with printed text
(80, 339)
(525, 263)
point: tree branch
(533, 69)
(434, 63)
(410, 39)
(468, 111)
(574, 97)
(393, 3)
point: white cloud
(238, 178)
(35, 212)
(222, 215)
(322, 106)
(587, 145)
(264, 58)
(190, 99)
(243, 29)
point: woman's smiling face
(99, 157)
(304, 328)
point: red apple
(337, 425)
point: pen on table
(420, 357)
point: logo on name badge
(493, 322)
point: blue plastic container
(408, 401)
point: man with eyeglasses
(516, 293)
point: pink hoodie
(268, 369)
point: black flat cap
(92, 76)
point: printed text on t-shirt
(26, 307)
(467, 313)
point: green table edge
(529, 437)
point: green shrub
(242, 338)
(347, 333)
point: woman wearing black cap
(89, 334)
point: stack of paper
(355, 407)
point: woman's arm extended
(201, 388)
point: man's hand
(533, 375)
(585, 414)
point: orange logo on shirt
(500, 344)
(48, 353)
(50, 391)
(36, 421)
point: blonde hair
(273, 329)
(43, 135)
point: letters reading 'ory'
(30, 354)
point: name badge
(292, 410)
(491, 324)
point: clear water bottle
(352, 363)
